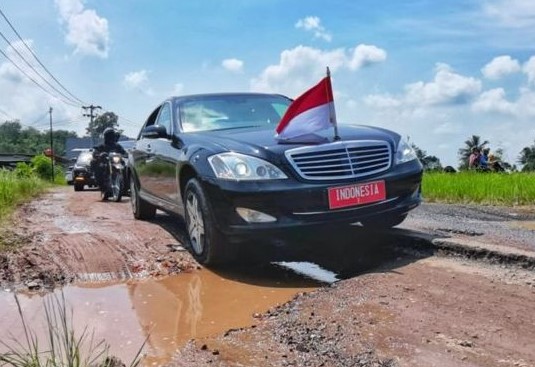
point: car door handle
(149, 149)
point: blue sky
(434, 71)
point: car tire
(208, 245)
(383, 222)
(140, 208)
(78, 187)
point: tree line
(16, 138)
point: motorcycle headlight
(404, 153)
(236, 166)
(116, 159)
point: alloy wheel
(133, 195)
(195, 223)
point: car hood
(262, 142)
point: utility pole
(51, 143)
(91, 115)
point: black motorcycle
(113, 181)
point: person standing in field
(484, 159)
(474, 159)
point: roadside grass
(468, 187)
(15, 189)
(64, 347)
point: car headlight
(236, 166)
(404, 153)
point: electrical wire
(35, 70)
(36, 83)
(39, 61)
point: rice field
(480, 188)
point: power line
(36, 83)
(39, 119)
(35, 70)
(39, 61)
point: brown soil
(433, 312)
(410, 310)
(72, 236)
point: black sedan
(82, 174)
(214, 160)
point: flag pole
(332, 116)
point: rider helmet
(110, 136)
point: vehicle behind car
(69, 176)
(213, 159)
(82, 172)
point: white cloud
(233, 65)
(86, 30)
(529, 69)
(21, 99)
(500, 66)
(138, 80)
(298, 66)
(447, 128)
(364, 55)
(382, 101)
(493, 101)
(511, 13)
(313, 24)
(447, 87)
(178, 89)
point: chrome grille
(347, 159)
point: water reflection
(168, 311)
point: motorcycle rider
(100, 152)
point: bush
(23, 170)
(42, 166)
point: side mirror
(154, 132)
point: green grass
(64, 347)
(15, 189)
(480, 188)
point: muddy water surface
(169, 311)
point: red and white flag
(312, 111)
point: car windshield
(84, 158)
(231, 112)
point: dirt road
(75, 237)
(399, 303)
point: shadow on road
(346, 251)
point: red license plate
(351, 195)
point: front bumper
(297, 204)
(84, 178)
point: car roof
(227, 94)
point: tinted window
(164, 118)
(231, 111)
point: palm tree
(464, 153)
(527, 158)
(429, 162)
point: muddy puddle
(167, 312)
